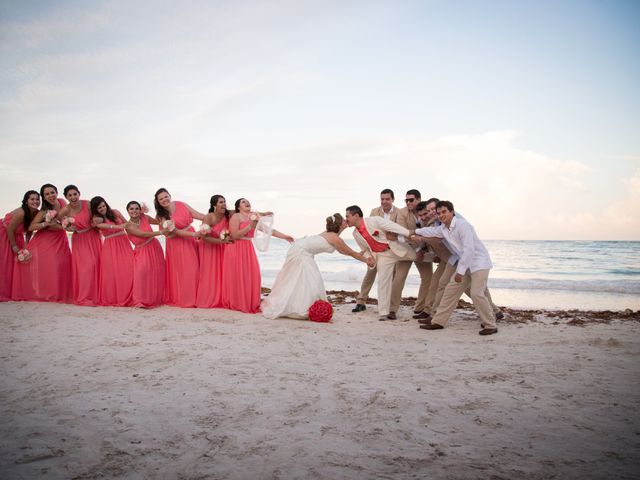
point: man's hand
(392, 236)
(458, 278)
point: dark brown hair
(334, 222)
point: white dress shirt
(462, 240)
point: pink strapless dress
(241, 281)
(116, 268)
(148, 269)
(210, 278)
(22, 283)
(86, 246)
(8, 259)
(51, 264)
(182, 262)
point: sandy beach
(198, 394)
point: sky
(525, 114)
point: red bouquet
(320, 311)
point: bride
(299, 283)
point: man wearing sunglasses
(408, 218)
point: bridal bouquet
(50, 216)
(169, 225)
(320, 311)
(68, 222)
(204, 229)
(24, 255)
(224, 234)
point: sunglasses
(409, 200)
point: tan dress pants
(402, 270)
(367, 283)
(476, 282)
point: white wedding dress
(299, 283)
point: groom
(377, 235)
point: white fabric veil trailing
(262, 235)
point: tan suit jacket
(379, 212)
(406, 219)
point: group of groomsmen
(423, 233)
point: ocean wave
(353, 277)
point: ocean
(588, 275)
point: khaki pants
(445, 278)
(387, 262)
(402, 270)
(433, 288)
(476, 282)
(367, 283)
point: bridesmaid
(86, 246)
(211, 251)
(116, 256)
(242, 282)
(148, 259)
(51, 263)
(14, 275)
(181, 250)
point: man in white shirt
(472, 271)
(387, 211)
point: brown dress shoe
(422, 314)
(488, 331)
(392, 316)
(432, 326)
(425, 321)
(359, 308)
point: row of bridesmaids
(213, 267)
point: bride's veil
(262, 235)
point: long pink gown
(210, 279)
(116, 268)
(22, 288)
(51, 264)
(86, 246)
(148, 269)
(182, 262)
(241, 282)
(8, 260)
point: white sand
(173, 393)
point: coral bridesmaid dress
(51, 264)
(86, 246)
(8, 259)
(116, 268)
(22, 288)
(241, 282)
(182, 262)
(210, 279)
(148, 269)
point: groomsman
(472, 271)
(374, 235)
(407, 217)
(429, 218)
(447, 266)
(388, 211)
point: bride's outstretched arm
(277, 234)
(344, 249)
